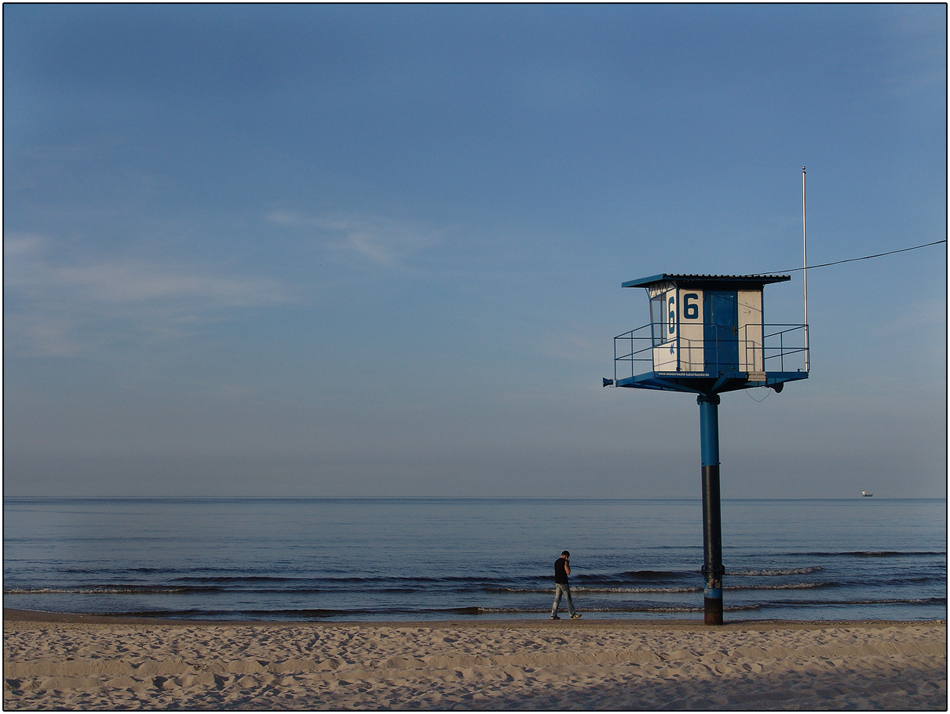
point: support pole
(712, 523)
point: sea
(445, 559)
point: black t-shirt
(560, 575)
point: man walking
(562, 568)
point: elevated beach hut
(707, 334)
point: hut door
(721, 333)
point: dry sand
(76, 662)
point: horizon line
(449, 498)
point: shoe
(576, 616)
(555, 617)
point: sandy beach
(82, 662)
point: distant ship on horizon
(865, 494)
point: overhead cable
(851, 260)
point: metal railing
(634, 348)
(787, 348)
(763, 348)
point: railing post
(615, 360)
(807, 351)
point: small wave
(888, 553)
(876, 554)
(873, 601)
(234, 579)
(243, 615)
(770, 572)
(304, 614)
(657, 574)
(784, 586)
(671, 609)
(633, 577)
(654, 608)
(97, 590)
(638, 591)
(830, 605)
(231, 588)
(588, 609)
(598, 590)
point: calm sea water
(441, 559)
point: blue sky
(326, 251)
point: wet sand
(93, 662)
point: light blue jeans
(559, 590)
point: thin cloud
(140, 282)
(381, 241)
(57, 307)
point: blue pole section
(712, 523)
(709, 425)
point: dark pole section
(712, 523)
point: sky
(377, 251)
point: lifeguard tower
(707, 335)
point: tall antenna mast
(805, 268)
